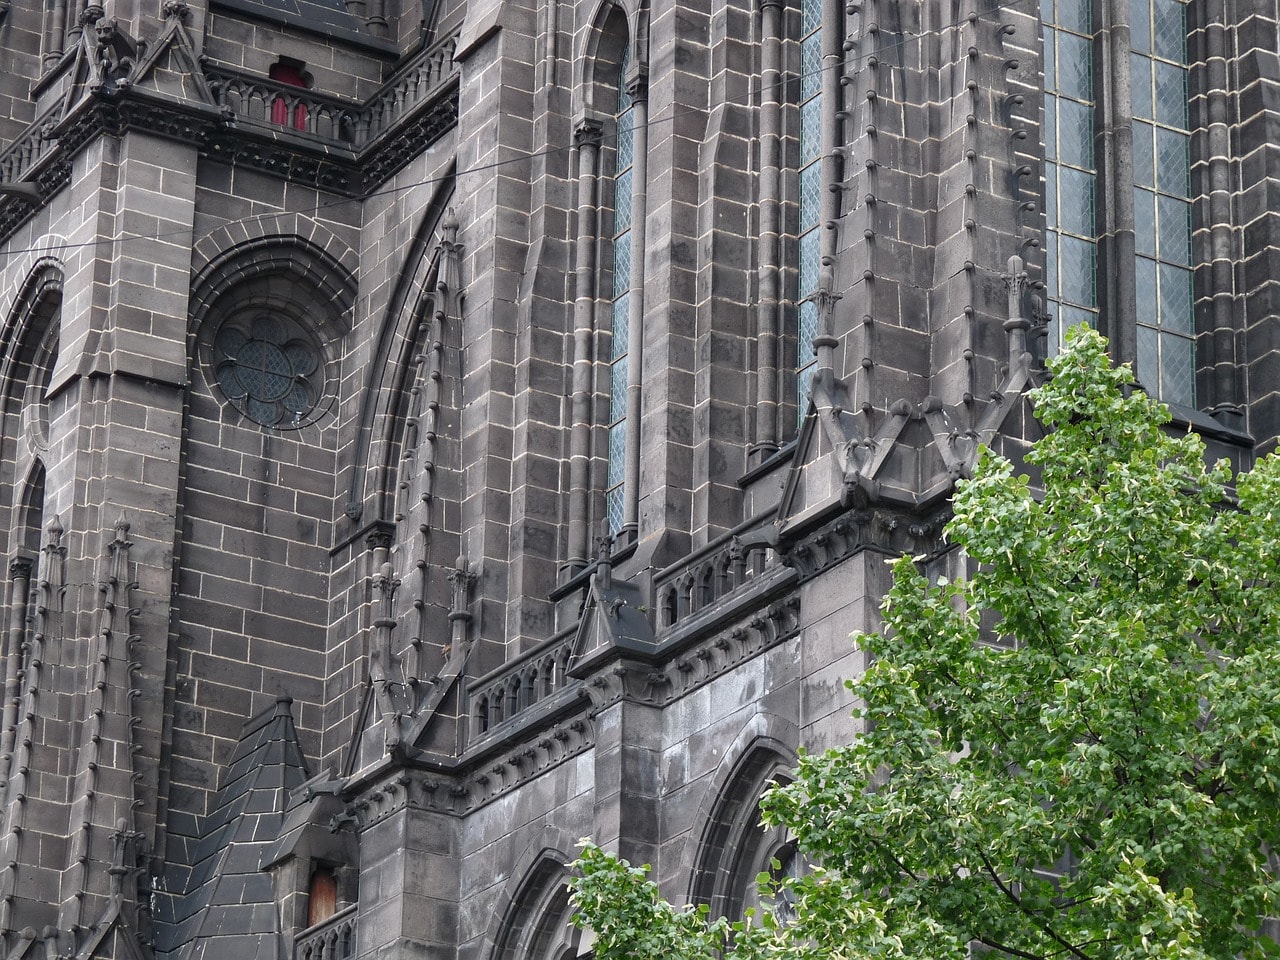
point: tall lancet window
(1071, 248)
(618, 356)
(1075, 87)
(1161, 199)
(810, 194)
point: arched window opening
(289, 111)
(1076, 85)
(809, 195)
(624, 161)
(322, 895)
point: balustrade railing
(267, 102)
(331, 939)
(521, 684)
(710, 574)
(24, 153)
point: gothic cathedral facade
(434, 431)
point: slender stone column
(587, 139)
(638, 89)
(1222, 342)
(767, 306)
(1121, 305)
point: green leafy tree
(1072, 753)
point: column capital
(587, 132)
(20, 568)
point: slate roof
(229, 909)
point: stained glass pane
(808, 330)
(1140, 68)
(810, 68)
(1075, 67)
(1174, 164)
(1075, 133)
(622, 263)
(1171, 94)
(613, 505)
(229, 341)
(626, 141)
(621, 314)
(229, 382)
(810, 16)
(1050, 60)
(1050, 127)
(810, 130)
(810, 194)
(1144, 161)
(1051, 195)
(617, 452)
(1148, 365)
(1076, 15)
(1140, 25)
(1175, 298)
(264, 412)
(1077, 265)
(1076, 215)
(1051, 268)
(1144, 221)
(622, 203)
(302, 359)
(1145, 274)
(1177, 369)
(618, 389)
(1175, 230)
(299, 400)
(1170, 29)
(1046, 11)
(810, 262)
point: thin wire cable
(745, 100)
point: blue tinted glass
(1051, 270)
(621, 328)
(1051, 127)
(1175, 230)
(622, 264)
(1140, 25)
(1173, 162)
(1171, 94)
(622, 203)
(810, 16)
(808, 330)
(1077, 266)
(1076, 202)
(1075, 15)
(1170, 29)
(1144, 161)
(1144, 221)
(1140, 68)
(1148, 365)
(810, 68)
(618, 390)
(1075, 67)
(1175, 298)
(810, 262)
(810, 130)
(1051, 195)
(613, 504)
(1177, 369)
(1146, 283)
(1075, 133)
(810, 194)
(1050, 58)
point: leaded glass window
(810, 192)
(1161, 198)
(1161, 187)
(1071, 249)
(622, 188)
(268, 367)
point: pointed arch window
(809, 195)
(1160, 191)
(619, 353)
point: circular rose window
(269, 369)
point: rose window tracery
(268, 368)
